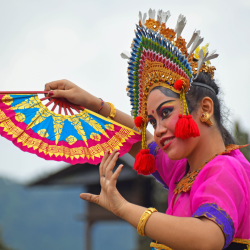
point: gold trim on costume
(159, 246)
(235, 240)
(185, 184)
(242, 241)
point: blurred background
(81, 41)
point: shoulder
(224, 171)
(223, 164)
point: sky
(79, 40)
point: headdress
(161, 57)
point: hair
(195, 95)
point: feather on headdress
(159, 57)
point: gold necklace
(187, 181)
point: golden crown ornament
(161, 57)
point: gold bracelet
(112, 111)
(143, 220)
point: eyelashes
(164, 112)
(152, 122)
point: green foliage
(242, 138)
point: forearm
(176, 232)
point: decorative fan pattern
(77, 138)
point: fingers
(101, 167)
(109, 160)
(116, 174)
(59, 93)
(111, 165)
(60, 84)
(90, 197)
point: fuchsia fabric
(220, 192)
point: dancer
(191, 153)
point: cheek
(172, 122)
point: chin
(177, 150)
(173, 155)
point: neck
(210, 145)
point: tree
(242, 138)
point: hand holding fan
(77, 136)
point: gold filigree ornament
(185, 184)
(20, 117)
(7, 100)
(43, 133)
(180, 43)
(160, 56)
(71, 139)
(158, 246)
(152, 24)
(168, 33)
(77, 126)
(95, 136)
(110, 127)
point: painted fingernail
(51, 93)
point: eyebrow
(163, 104)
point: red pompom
(193, 128)
(145, 162)
(178, 84)
(186, 127)
(138, 121)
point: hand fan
(77, 136)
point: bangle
(102, 102)
(112, 111)
(143, 220)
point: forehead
(155, 98)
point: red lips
(162, 141)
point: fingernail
(51, 93)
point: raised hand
(109, 198)
(72, 92)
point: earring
(205, 118)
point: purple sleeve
(212, 212)
(153, 148)
(168, 171)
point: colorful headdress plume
(160, 57)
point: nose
(160, 129)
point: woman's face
(163, 113)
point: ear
(207, 105)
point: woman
(208, 180)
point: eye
(166, 112)
(152, 122)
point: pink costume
(220, 191)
